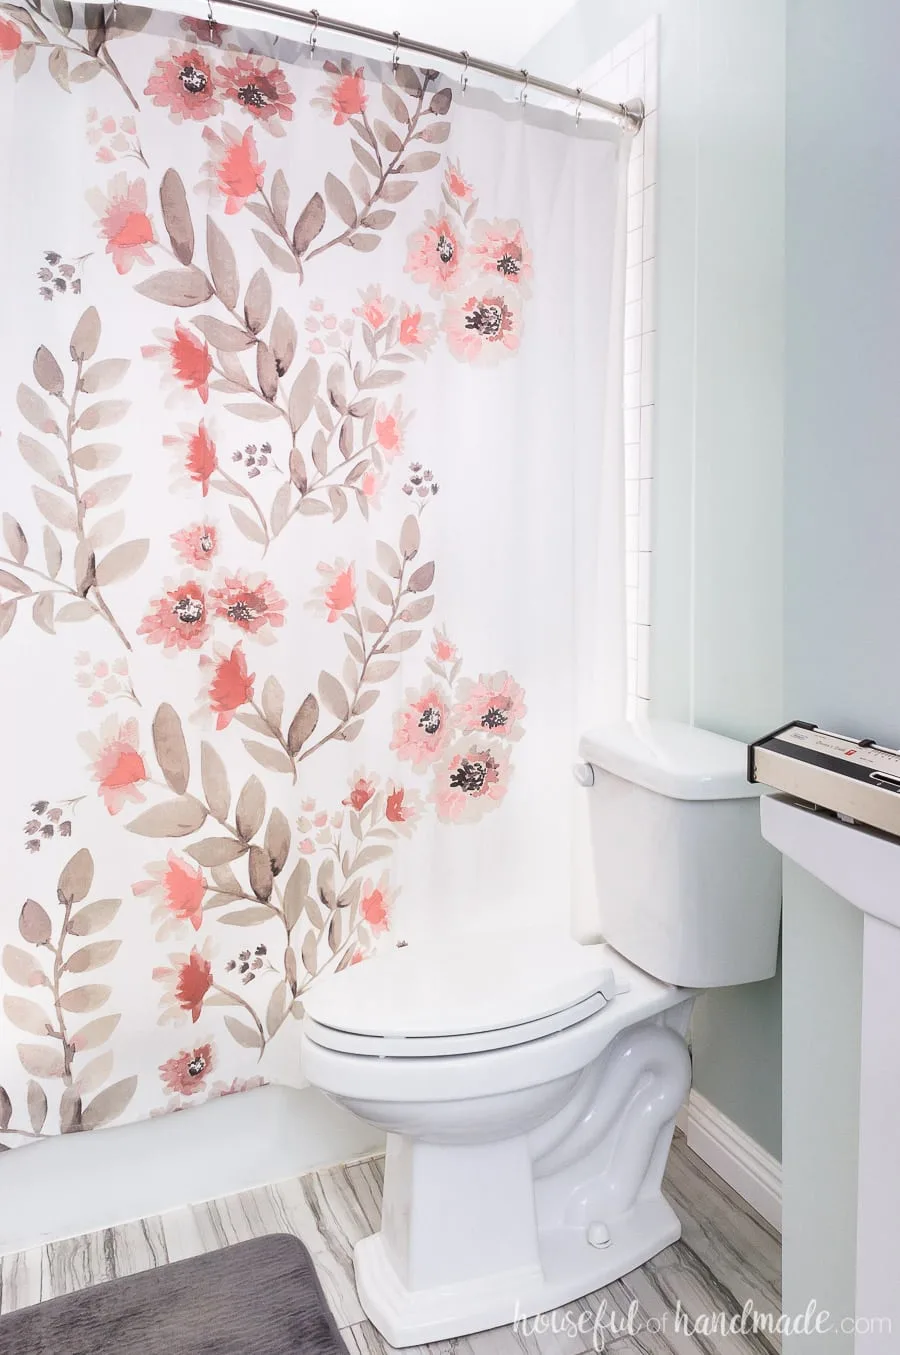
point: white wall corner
(733, 1155)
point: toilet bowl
(528, 1085)
(528, 1122)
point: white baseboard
(733, 1155)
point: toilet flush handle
(583, 773)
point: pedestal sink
(863, 866)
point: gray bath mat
(257, 1298)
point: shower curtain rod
(632, 112)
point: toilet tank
(686, 887)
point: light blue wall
(842, 501)
(717, 582)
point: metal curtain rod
(632, 112)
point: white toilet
(529, 1084)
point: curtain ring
(579, 91)
(523, 97)
(211, 20)
(314, 35)
(464, 78)
(395, 59)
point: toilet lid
(461, 985)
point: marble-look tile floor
(726, 1257)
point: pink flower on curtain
(337, 591)
(178, 887)
(179, 619)
(251, 602)
(375, 904)
(229, 685)
(183, 83)
(344, 96)
(390, 428)
(492, 705)
(123, 221)
(456, 184)
(188, 1071)
(188, 356)
(375, 309)
(186, 982)
(234, 167)
(435, 255)
(417, 331)
(259, 85)
(197, 545)
(499, 249)
(470, 780)
(10, 39)
(482, 327)
(116, 764)
(423, 727)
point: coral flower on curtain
(483, 327)
(436, 256)
(188, 356)
(469, 781)
(251, 602)
(234, 167)
(188, 1071)
(375, 904)
(492, 705)
(183, 83)
(10, 39)
(361, 791)
(390, 428)
(422, 727)
(179, 888)
(197, 545)
(179, 619)
(116, 764)
(403, 808)
(499, 249)
(337, 591)
(344, 96)
(375, 309)
(259, 85)
(186, 982)
(123, 221)
(456, 184)
(230, 685)
(417, 331)
(198, 451)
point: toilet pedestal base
(569, 1268)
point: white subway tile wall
(631, 70)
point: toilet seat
(461, 995)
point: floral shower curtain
(301, 423)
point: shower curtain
(309, 568)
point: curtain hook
(395, 59)
(314, 35)
(523, 97)
(579, 91)
(464, 78)
(210, 20)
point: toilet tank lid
(678, 760)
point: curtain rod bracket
(633, 112)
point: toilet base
(569, 1269)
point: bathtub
(77, 1183)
